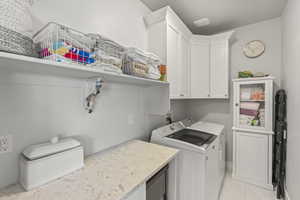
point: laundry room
(149, 100)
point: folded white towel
(250, 105)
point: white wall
(121, 21)
(35, 107)
(291, 82)
(220, 111)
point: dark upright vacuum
(280, 144)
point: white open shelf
(21, 63)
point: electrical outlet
(5, 144)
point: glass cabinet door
(252, 105)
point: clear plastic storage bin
(109, 54)
(136, 63)
(153, 62)
(62, 44)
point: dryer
(197, 164)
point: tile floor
(236, 190)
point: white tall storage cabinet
(253, 131)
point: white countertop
(110, 175)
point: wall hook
(90, 100)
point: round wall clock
(254, 49)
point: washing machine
(197, 166)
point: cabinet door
(138, 194)
(219, 68)
(212, 175)
(253, 105)
(222, 159)
(184, 67)
(251, 159)
(173, 61)
(199, 73)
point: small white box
(39, 171)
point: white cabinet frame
(253, 145)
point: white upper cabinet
(169, 38)
(219, 65)
(210, 66)
(200, 67)
(185, 67)
(173, 61)
(197, 66)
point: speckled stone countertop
(110, 175)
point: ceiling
(223, 14)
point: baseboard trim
(287, 197)
(229, 167)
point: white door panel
(173, 38)
(219, 70)
(200, 64)
(212, 175)
(252, 157)
(184, 67)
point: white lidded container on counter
(42, 163)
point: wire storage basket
(63, 44)
(14, 42)
(16, 16)
(16, 27)
(109, 54)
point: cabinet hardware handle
(214, 147)
(236, 104)
(182, 95)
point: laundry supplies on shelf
(252, 106)
(62, 44)
(154, 63)
(142, 64)
(109, 54)
(135, 63)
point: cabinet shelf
(19, 63)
